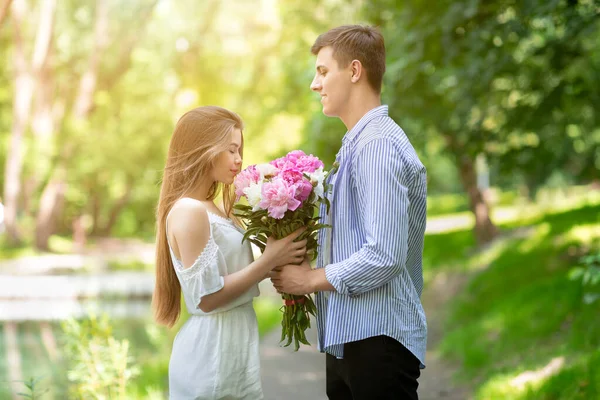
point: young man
(369, 273)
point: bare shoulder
(189, 228)
(189, 217)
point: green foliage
(129, 265)
(509, 79)
(100, 366)
(148, 353)
(589, 276)
(519, 329)
(268, 314)
(446, 204)
(33, 389)
(514, 80)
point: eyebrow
(234, 144)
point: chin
(328, 112)
(226, 181)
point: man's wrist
(318, 281)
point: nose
(315, 85)
(238, 160)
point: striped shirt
(373, 254)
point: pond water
(33, 308)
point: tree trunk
(79, 234)
(96, 211)
(50, 208)
(53, 194)
(42, 126)
(83, 106)
(88, 82)
(4, 6)
(24, 85)
(23, 91)
(116, 211)
(485, 230)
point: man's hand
(293, 279)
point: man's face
(332, 83)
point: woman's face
(229, 162)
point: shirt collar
(364, 121)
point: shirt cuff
(332, 274)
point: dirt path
(299, 376)
(436, 380)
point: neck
(358, 105)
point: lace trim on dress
(225, 222)
(219, 218)
(203, 261)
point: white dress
(215, 355)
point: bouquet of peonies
(283, 196)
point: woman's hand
(285, 251)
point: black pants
(375, 368)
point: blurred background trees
(500, 98)
(91, 90)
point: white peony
(254, 195)
(317, 178)
(266, 170)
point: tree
(56, 111)
(27, 73)
(550, 96)
(472, 71)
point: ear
(356, 69)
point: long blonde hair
(199, 136)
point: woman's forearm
(235, 285)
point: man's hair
(356, 42)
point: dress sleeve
(203, 277)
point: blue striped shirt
(378, 214)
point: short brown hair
(356, 42)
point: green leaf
(576, 273)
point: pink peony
(289, 160)
(309, 163)
(297, 159)
(296, 178)
(303, 190)
(244, 179)
(295, 154)
(291, 175)
(283, 163)
(278, 196)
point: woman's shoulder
(189, 230)
(189, 216)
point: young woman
(200, 253)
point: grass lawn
(520, 328)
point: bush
(99, 365)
